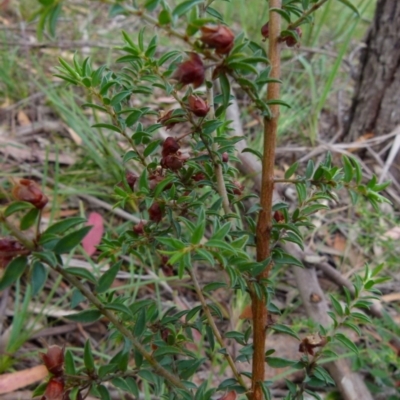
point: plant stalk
(158, 369)
(264, 223)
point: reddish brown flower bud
(170, 146)
(167, 119)
(190, 71)
(54, 389)
(131, 178)
(278, 216)
(139, 228)
(292, 41)
(155, 212)
(54, 360)
(265, 31)
(173, 162)
(218, 37)
(225, 157)
(238, 188)
(198, 106)
(27, 190)
(229, 396)
(199, 176)
(166, 267)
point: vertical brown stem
(264, 223)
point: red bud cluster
(139, 228)
(27, 190)
(198, 106)
(218, 37)
(9, 248)
(131, 178)
(238, 189)
(54, 362)
(225, 157)
(265, 31)
(190, 71)
(278, 216)
(55, 389)
(172, 158)
(155, 212)
(291, 41)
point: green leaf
(88, 357)
(176, 244)
(13, 271)
(253, 151)
(17, 206)
(119, 97)
(285, 329)
(349, 4)
(219, 244)
(69, 363)
(225, 88)
(198, 233)
(140, 325)
(214, 286)
(213, 12)
(107, 126)
(184, 7)
(167, 350)
(81, 273)
(151, 5)
(278, 102)
(337, 306)
(104, 393)
(164, 18)
(38, 277)
(277, 362)
(70, 241)
(85, 316)
(152, 147)
(346, 342)
(64, 225)
(291, 170)
(29, 219)
(107, 279)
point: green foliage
(184, 221)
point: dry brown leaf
(17, 380)
(74, 136)
(23, 119)
(361, 139)
(388, 298)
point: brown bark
(376, 103)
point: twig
(299, 21)
(214, 327)
(217, 165)
(172, 379)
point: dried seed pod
(198, 106)
(155, 212)
(139, 228)
(54, 389)
(54, 360)
(27, 190)
(191, 71)
(218, 37)
(170, 146)
(309, 343)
